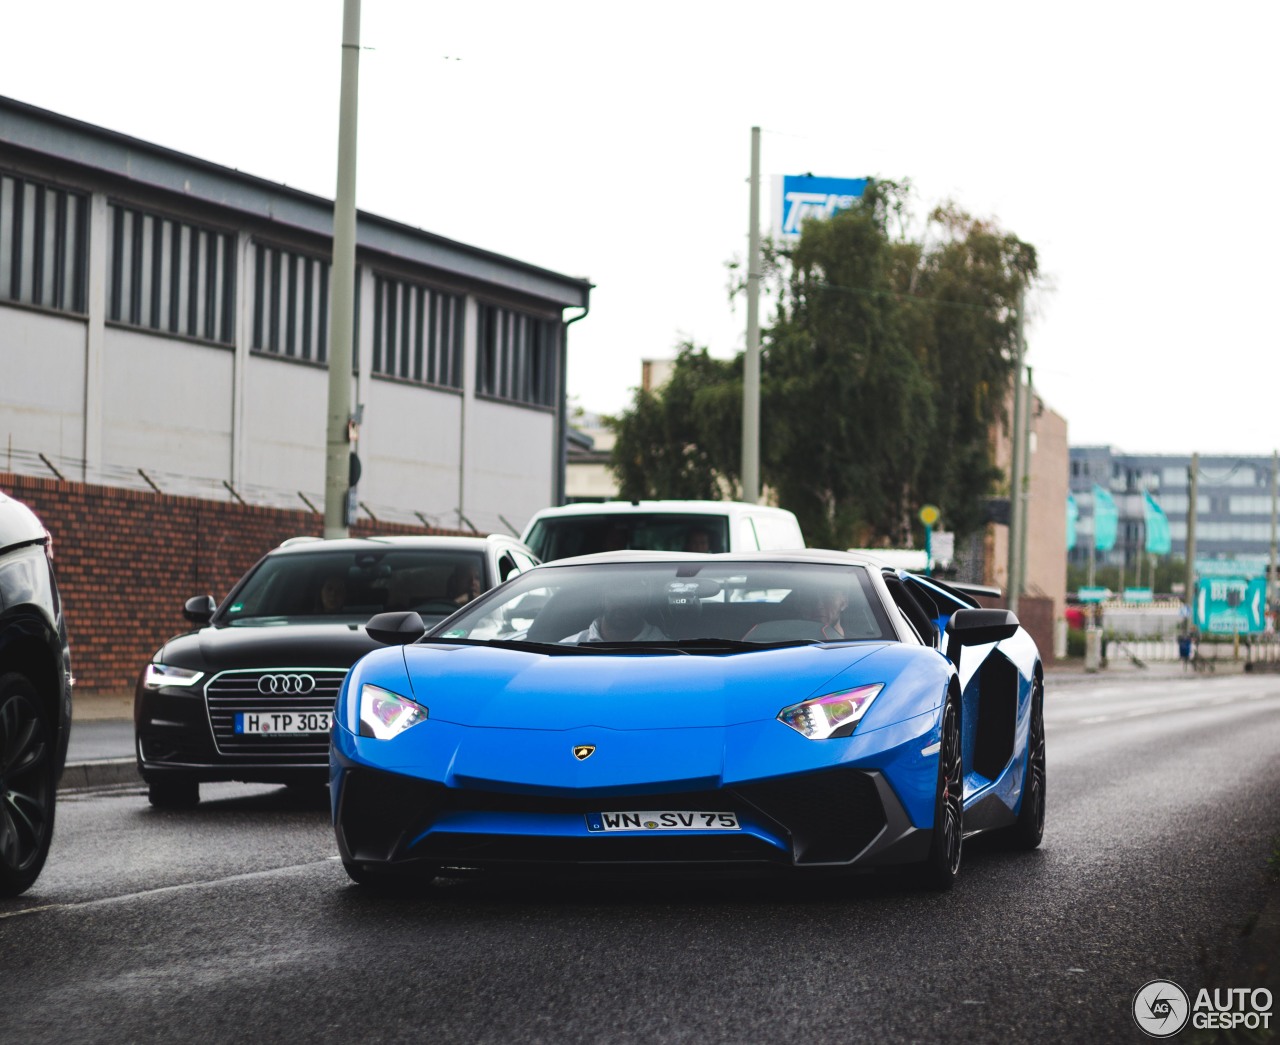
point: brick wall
(128, 559)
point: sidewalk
(1068, 670)
(100, 707)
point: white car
(694, 526)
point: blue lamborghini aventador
(797, 711)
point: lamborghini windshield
(681, 603)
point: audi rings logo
(296, 685)
(1161, 1008)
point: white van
(708, 526)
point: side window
(506, 567)
(912, 612)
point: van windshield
(569, 535)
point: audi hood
(268, 646)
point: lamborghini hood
(487, 687)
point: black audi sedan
(249, 695)
(35, 695)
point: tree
(886, 366)
(846, 405)
(684, 439)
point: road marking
(1164, 709)
(184, 887)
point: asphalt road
(235, 921)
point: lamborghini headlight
(159, 676)
(834, 715)
(384, 715)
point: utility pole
(751, 362)
(339, 465)
(1016, 468)
(1024, 525)
(1275, 502)
(1193, 482)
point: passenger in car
(825, 607)
(463, 584)
(698, 540)
(333, 593)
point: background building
(163, 323)
(1233, 502)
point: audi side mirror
(199, 609)
(398, 628)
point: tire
(1028, 829)
(390, 880)
(942, 867)
(28, 789)
(176, 792)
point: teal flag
(1073, 513)
(1158, 541)
(1105, 519)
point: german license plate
(278, 723)
(662, 820)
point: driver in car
(621, 620)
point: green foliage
(885, 368)
(684, 439)
(1170, 570)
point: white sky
(1134, 144)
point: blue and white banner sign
(798, 197)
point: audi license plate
(663, 820)
(280, 722)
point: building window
(170, 276)
(1245, 505)
(44, 237)
(290, 304)
(517, 356)
(417, 333)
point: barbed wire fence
(41, 464)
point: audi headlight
(384, 715)
(159, 676)
(834, 715)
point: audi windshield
(353, 585)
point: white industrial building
(163, 320)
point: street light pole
(338, 462)
(751, 361)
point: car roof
(829, 556)
(305, 545)
(632, 507)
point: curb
(103, 773)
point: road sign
(1226, 605)
(1095, 594)
(929, 514)
(1138, 595)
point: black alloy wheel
(27, 786)
(1028, 829)
(943, 864)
